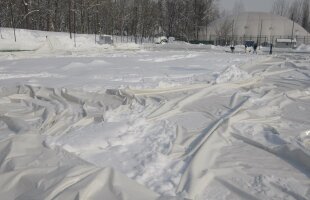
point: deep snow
(198, 123)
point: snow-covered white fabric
(154, 124)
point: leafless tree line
(296, 10)
(144, 18)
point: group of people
(254, 48)
(232, 48)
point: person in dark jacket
(270, 52)
(255, 48)
(232, 48)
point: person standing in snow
(255, 48)
(270, 52)
(232, 48)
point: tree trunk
(69, 19)
(12, 20)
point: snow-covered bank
(303, 48)
(43, 42)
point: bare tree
(13, 19)
(280, 7)
(295, 11)
(141, 18)
(210, 14)
(305, 15)
(238, 7)
(224, 28)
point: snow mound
(52, 42)
(303, 47)
(232, 74)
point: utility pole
(292, 34)
(74, 22)
(97, 21)
(0, 31)
(232, 34)
(70, 30)
(260, 34)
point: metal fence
(261, 40)
(132, 39)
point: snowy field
(151, 122)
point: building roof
(254, 24)
(286, 40)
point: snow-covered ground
(152, 122)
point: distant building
(286, 43)
(105, 39)
(264, 28)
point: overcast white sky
(250, 5)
